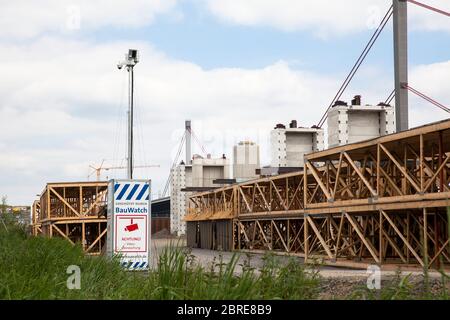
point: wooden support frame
(75, 212)
(402, 237)
(362, 202)
(360, 174)
(368, 245)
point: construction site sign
(129, 219)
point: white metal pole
(130, 122)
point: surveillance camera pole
(130, 121)
(130, 61)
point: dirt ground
(337, 282)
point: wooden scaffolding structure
(381, 201)
(75, 211)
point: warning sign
(131, 233)
(129, 222)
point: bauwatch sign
(129, 219)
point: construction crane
(98, 169)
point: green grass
(402, 288)
(35, 268)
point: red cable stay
(425, 97)
(392, 94)
(426, 6)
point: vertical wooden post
(381, 244)
(436, 236)
(81, 201)
(48, 202)
(378, 170)
(238, 200)
(328, 231)
(425, 238)
(408, 222)
(421, 163)
(239, 235)
(235, 202)
(305, 188)
(233, 236)
(432, 166)
(271, 234)
(287, 193)
(99, 232)
(305, 235)
(288, 236)
(441, 154)
(405, 165)
(338, 241)
(83, 235)
(64, 207)
(270, 197)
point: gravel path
(255, 260)
(337, 282)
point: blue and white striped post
(129, 222)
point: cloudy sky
(235, 68)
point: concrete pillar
(401, 63)
(188, 142)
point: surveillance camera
(133, 55)
(119, 66)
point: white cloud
(423, 19)
(61, 101)
(433, 80)
(322, 17)
(25, 19)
